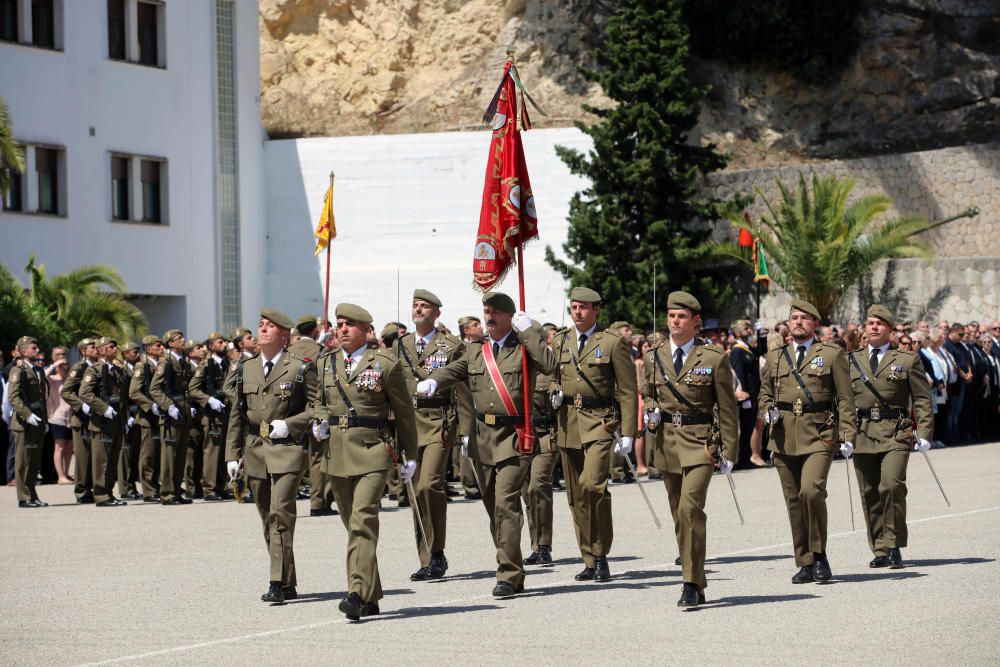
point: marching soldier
(148, 418)
(320, 489)
(128, 461)
(537, 489)
(79, 422)
(169, 388)
(806, 399)
(681, 394)
(420, 353)
(104, 389)
(492, 367)
(194, 351)
(596, 394)
(470, 328)
(267, 424)
(358, 388)
(27, 391)
(886, 383)
(206, 392)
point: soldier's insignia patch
(73, 374)
(159, 371)
(138, 372)
(817, 362)
(598, 354)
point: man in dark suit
(746, 368)
(972, 411)
(957, 390)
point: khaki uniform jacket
(824, 372)
(606, 360)
(435, 424)
(287, 393)
(498, 443)
(706, 381)
(374, 388)
(901, 381)
(105, 385)
(306, 348)
(170, 386)
(70, 393)
(27, 394)
(138, 392)
(207, 382)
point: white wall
(406, 203)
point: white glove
(725, 466)
(279, 429)
(427, 387)
(323, 336)
(921, 445)
(758, 325)
(624, 447)
(234, 469)
(86, 409)
(846, 449)
(33, 419)
(194, 413)
(465, 445)
(156, 409)
(215, 404)
(108, 414)
(557, 399)
(174, 413)
(321, 429)
(129, 424)
(652, 418)
(407, 470)
(521, 321)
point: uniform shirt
(686, 350)
(589, 333)
(355, 356)
(502, 340)
(274, 362)
(427, 339)
(881, 352)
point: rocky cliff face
(927, 74)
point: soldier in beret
(79, 421)
(148, 418)
(128, 460)
(27, 391)
(104, 389)
(359, 386)
(806, 399)
(890, 389)
(595, 393)
(169, 388)
(206, 391)
(194, 352)
(498, 410)
(682, 392)
(267, 426)
(242, 341)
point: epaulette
(386, 353)
(711, 347)
(613, 333)
(562, 330)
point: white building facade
(141, 126)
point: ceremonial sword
(934, 473)
(732, 487)
(850, 493)
(656, 520)
(416, 504)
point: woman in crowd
(59, 413)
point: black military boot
(274, 594)
(541, 557)
(821, 569)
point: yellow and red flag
(326, 228)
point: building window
(116, 29)
(43, 23)
(227, 173)
(148, 39)
(8, 20)
(47, 167)
(151, 191)
(14, 200)
(119, 188)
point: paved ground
(147, 584)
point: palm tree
(820, 246)
(11, 154)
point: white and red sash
(505, 397)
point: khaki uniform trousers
(466, 473)
(27, 459)
(537, 495)
(194, 466)
(212, 452)
(320, 488)
(585, 472)
(104, 453)
(803, 481)
(149, 461)
(359, 500)
(83, 487)
(502, 486)
(275, 501)
(882, 483)
(173, 456)
(128, 462)
(431, 500)
(687, 493)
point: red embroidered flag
(507, 218)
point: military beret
(500, 301)
(882, 313)
(278, 317)
(172, 333)
(351, 311)
(390, 329)
(804, 307)
(151, 340)
(106, 340)
(26, 340)
(425, 295)
(620, 323)
(132, 345)
(306, 323)
(215, 335)
(191, 344)
(712, 325)
(739, 324)
(240, 332)
(84, 344)
(680, 299)
(584, 294)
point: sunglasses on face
(906, 342)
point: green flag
(760, 265)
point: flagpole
(529, 435)
(329, 249)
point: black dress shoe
(629, 478)
(28, 504)
(213, 498)
(274, 594)
(821, 569)
(289, 592)
(586, 574)
(172, 501)
(452, 493)
(437, 567)
(403, 502)
(351, 606)
(39, 503)
(150, 499)
(879, 561)
(184, 501)
(690, 596)
(475, 495)
(133, 495)
(419, 575)
(505, 590)
(895, 559)
(803, 576)
(110, 502)
(541, 557)
(117, 501)
(370, 609)
(601, 570)
(677, 561)
(324, 511)
(85, 500)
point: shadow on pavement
(934, 562)
(746, 559)
(647, 574)
(743, 600)
(591, 587)
(417, 612)
(579, 561)
(337, 596)
(888, 575)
